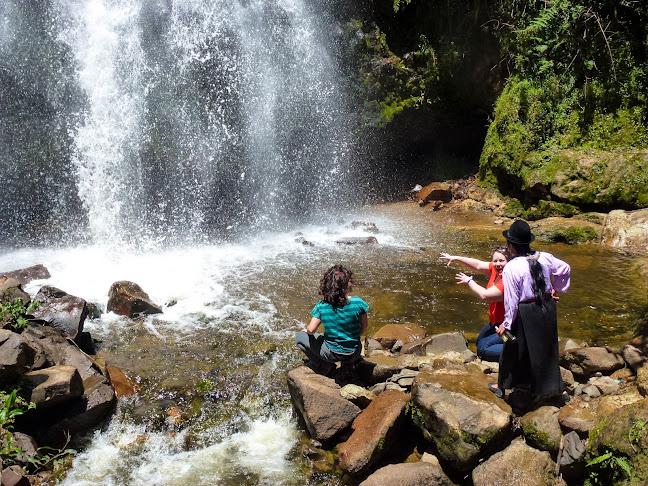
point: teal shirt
(342, 325)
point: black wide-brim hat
(519, 233)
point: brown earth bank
(417, 410)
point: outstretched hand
(554, 296)
(447, 256)
(462, 278)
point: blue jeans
(318, 352)
(489, 344)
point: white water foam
(129, 454)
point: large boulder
(61, 311)
(436, 191)
(586, 361)
(318, 401)
(26, 275)
(626, 229)
(374, 430)
(16, 356)
(128, 299)
(542, 430)
(456, 411)
(518, 464)
(443, 343)
(624, 435)
(409, 474)
(74, 416)
(52, 386)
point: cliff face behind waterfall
(549, 96)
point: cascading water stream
(194, 119)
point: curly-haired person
(344, 319)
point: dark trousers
(314, 346)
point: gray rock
(605, 384)
(633, 356)
(591, 391)
(456, 411)
(542, 430)
(409, 474)
(13, 476)
(357, 395)
(518, 464)
(16, 356)
(61, 311)
(442, 343)
(587, 361)
(26, 275)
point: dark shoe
(564, 398)
(327, 369)
(498, 393)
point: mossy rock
(618, 449)
(573, 235)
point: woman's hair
(504, 251)
(334, 284)
(539, 284)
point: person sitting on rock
(489, 344)
(344, 319)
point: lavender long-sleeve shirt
(518, 284)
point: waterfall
(156, 122)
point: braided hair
(334, 284)
(537, 275)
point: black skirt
(533, 359)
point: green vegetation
(15, 314)
(607, 469)
(578, 81)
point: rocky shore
(54, 390)
(417, 410)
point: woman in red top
(489, 344)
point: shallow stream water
(213, 406)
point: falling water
(173, 121)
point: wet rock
(26, 275)
(407, 333)
(456, 411)
(357, 240)
(52, 386)
(372, 345)
(61, 311)
(123, 386)
(409, 474)
(11, 291)
(128, 299)
(517, 464)
(542, 430)
(368, 227)
(405, 378)
(374, 431)
(357, 395)
(634, 356)
(317, 399)
(16, 356)
(587, 361)
(437, 191)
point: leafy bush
(15, 314)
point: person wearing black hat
(530, 281)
